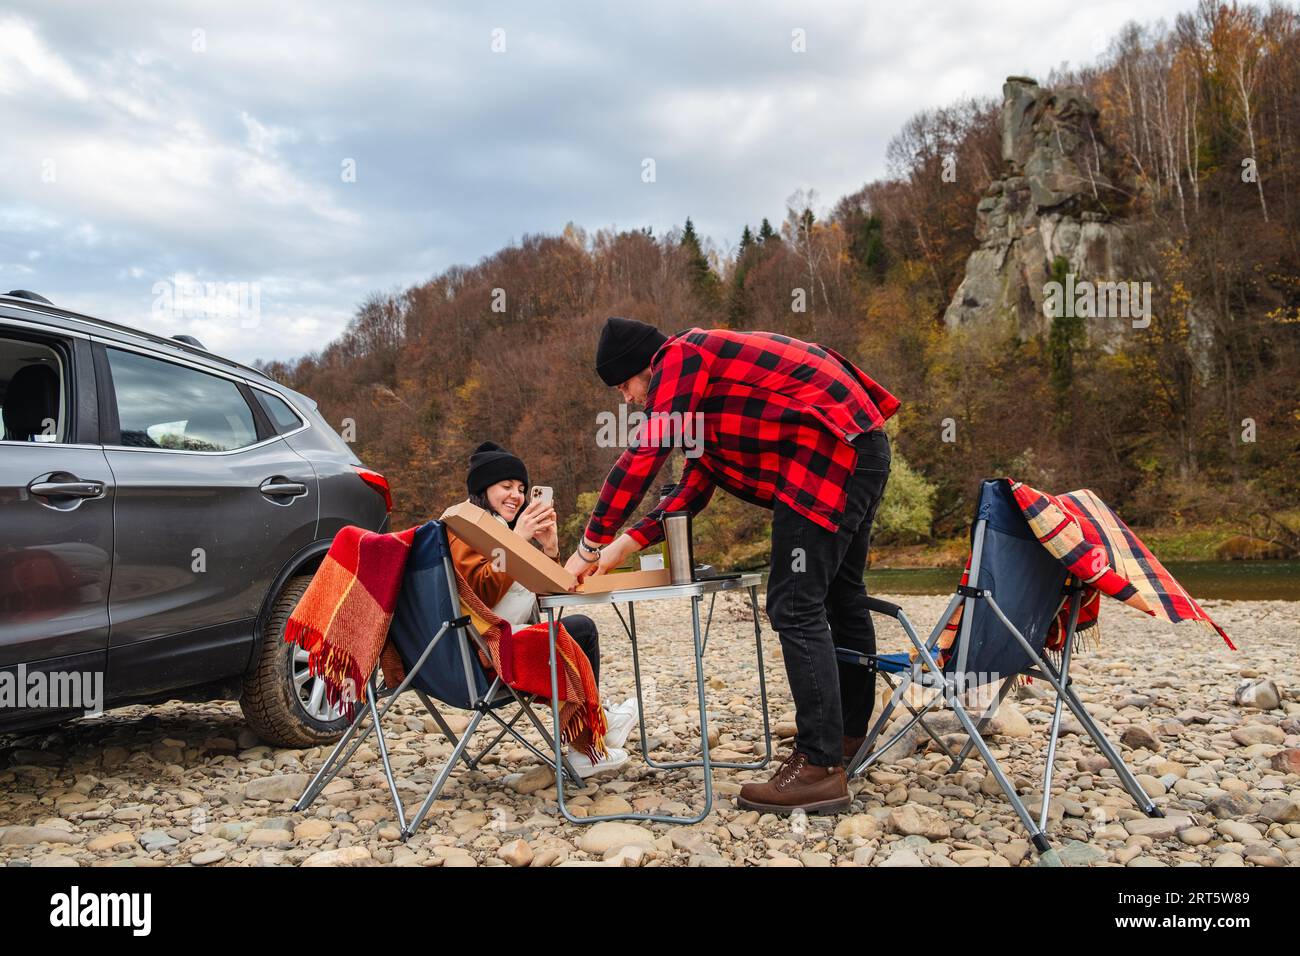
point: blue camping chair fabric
(1017, 589)
(440, 653)
(451, 674)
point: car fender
(307, 558)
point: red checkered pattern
(776, 413)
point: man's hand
(611, 556)
(615, 553)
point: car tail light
(379, 483)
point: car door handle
(67, 489)
(281, 488)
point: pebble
(516, 853)
(610, 834)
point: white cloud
(27, 64)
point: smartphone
(543, 493)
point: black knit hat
(491, 463)
(626, 347)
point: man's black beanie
(626, 347)
(491, 463)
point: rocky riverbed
(187, 784)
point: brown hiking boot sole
(837, 805)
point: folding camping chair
(439, 650)
(1016, 590)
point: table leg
(705, 762)
(762, 693)
(704, 709)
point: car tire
(271, 699)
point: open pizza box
(529, 566)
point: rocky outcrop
(1058, 199)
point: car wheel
(283, 703)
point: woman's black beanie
(491, 463)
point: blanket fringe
(344, 682)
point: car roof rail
(25, 294)
(186, 343)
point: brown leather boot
(798, 785)
(851, 745)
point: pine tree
(703, 282)
(746, 240)
(766, 233)
(737, 307)
(867, 247)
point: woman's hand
(578, 566)
(538, 521)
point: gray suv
(162, 509)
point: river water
(1211, 580)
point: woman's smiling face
(506, 497)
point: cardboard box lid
(623, 580)
(490, 538)
(529, 566)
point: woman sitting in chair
(498, 483)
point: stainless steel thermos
(677, 547)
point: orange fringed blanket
(522, 658)
(342, 619)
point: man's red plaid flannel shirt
(776, 415)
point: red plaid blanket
(343, 617)
(1092, 541)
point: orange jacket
(484, 580)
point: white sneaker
(619, 722)
(613, 759)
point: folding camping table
(633, 596)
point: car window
(284, 417)
(33, 406)
(164, 405)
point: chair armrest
(884, 607)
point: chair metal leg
(1054, 732)
(554, 747)
(333, 764)
(441, 780)
(987, 716)
(505, 729)
(1140, 796)
(860, 761)
(528, 745)
(437, 717)
(918, 717)
(383, 755)
(1035, 834)
(1049, 674)
(858, 764)
(327, 771)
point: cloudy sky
(314, 152)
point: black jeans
(583, 631)
(816, 599)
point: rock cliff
(1060, 197)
